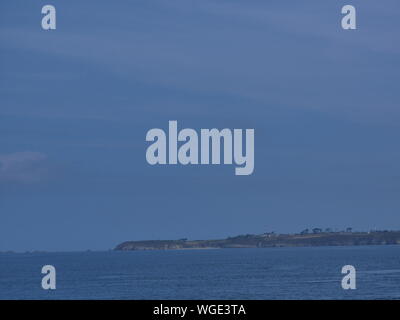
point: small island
(307, 238)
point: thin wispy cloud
(23, 167)
(270, 53)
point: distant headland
(307, 238)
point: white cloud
(23, 167)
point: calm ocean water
(276, 273)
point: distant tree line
(327, 230)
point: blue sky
(76, 103)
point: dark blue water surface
(275, 273)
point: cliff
(271, 240)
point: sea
(264, 273)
